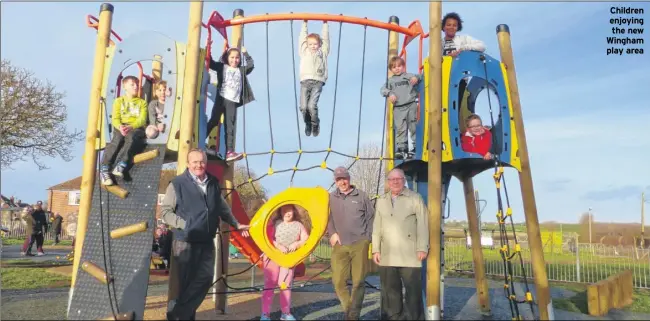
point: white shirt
(202, 184)
(463, 42)
(231, 87)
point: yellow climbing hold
(272, 151)
(283, 286)
(270, 172)
(323, 165)
(314, 200)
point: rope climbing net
(508, 254)
(219, 24)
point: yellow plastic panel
(390, 163)
(172, 142)
(102, 122)
(446, 140)
(314, 200)
(515, 161)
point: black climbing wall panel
(129, 256)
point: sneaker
(287, 316)
(308, 129)
(265, 317)
(119, 169)
(40, 254)
(22, 253)
(411, 153)
(315, 130)
(399, 155)
(233, 156)
(29, 254)
(105, 177)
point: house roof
(75, 184)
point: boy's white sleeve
(472, 44)
(302, 38)
(325, 36)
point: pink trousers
(274, 276)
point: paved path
(12, 252)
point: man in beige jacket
(400, 242)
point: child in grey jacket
(401, 89)
(313, 51)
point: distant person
(233, 91)
(453, 43)
(400, 242)
(402, 91)
(477, 138)
(56, 227)
(27, 217)
(313, 50)
(350, 229)
(128, 118)
(40, 227)
(156, 110)
(288, 234)
(194, 207)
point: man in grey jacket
(350, 230)
(193, 206)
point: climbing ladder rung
(116, 190)
(97, 272)
(129, 230)
(143, 157)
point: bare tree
(252, 193)
(368, 174)
(32, 119)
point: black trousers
(394, 306)
(132, 144)
(228, 109)
(190, 278)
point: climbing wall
(122, 288)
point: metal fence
(566, 262)
(571, 262)
(17, 230)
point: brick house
(64, 198)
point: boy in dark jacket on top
(401, 89)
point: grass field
(18, 241)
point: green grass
(31, 278)
(18, 241)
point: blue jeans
(310, 91)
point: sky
(584, 112)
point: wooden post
(526, 181)
(393, 45)
(482, 289)
(192, 64)
(90, 154)
(435, 161)
(236, 36)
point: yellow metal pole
(435, 161)
(477, 252)
(393, 46)
(90, 154)
(192, 53)
(526, 181)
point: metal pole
(90, 154)
(643, 220)
(526, 181)
(434, 164)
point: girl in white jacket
(452, 43)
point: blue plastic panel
(468, 64)
(143, 47)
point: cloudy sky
(584, 111)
